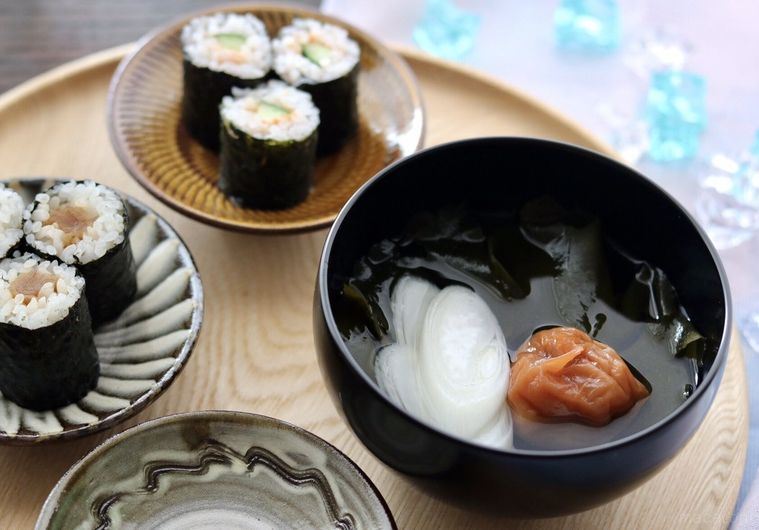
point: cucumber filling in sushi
(85, 224)
(220, 51)
(47, 350)
(228, 42)
(274, 111)
(268, 145)
(11, 213)
(309, 51)
(322, 60)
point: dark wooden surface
(36, 35)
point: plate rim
(52, 501)
(166, 379)
(129, 162)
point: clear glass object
(587, 25)
(656, 50)
(728, 204)
(749, 194)
(628, 131)
(446, 30)
(659, 51)
(750, 328)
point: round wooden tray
(256, 350)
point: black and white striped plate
(142, 351)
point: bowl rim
(169, 376)
(322, 286)
(249, 419)
(174, 26)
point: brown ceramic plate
(216, 469)
(142, 351)
(149, 138)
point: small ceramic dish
(149, 138)
(215, 469)
(142, 351)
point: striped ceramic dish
(215, 469)
(142, 351)
(149, 138)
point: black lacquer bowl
(502, 173)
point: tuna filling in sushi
(85, 224)
(47, 351)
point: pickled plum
(563, 374)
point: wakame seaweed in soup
(542, 267)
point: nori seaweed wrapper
(111, 282)
(337, 101)
(51, 367)
(203, 90)
(265, 174)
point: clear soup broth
(540, 267)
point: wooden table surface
(36, 35)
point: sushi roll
(47, 351)
(322, 60)
(220, 51)
(85, 224)
(11, 212)
(268, 145)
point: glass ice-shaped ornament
(587, 25)
(446, 31)
(750, 328)
(676, 114)
(728, 204)
(754, 152)
(656, 50)
(628, 130)
(750, 324)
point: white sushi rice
(295, 68)
(106, 231)
(241, 110)
(251, 61)
(11, 211)
(54, 299)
